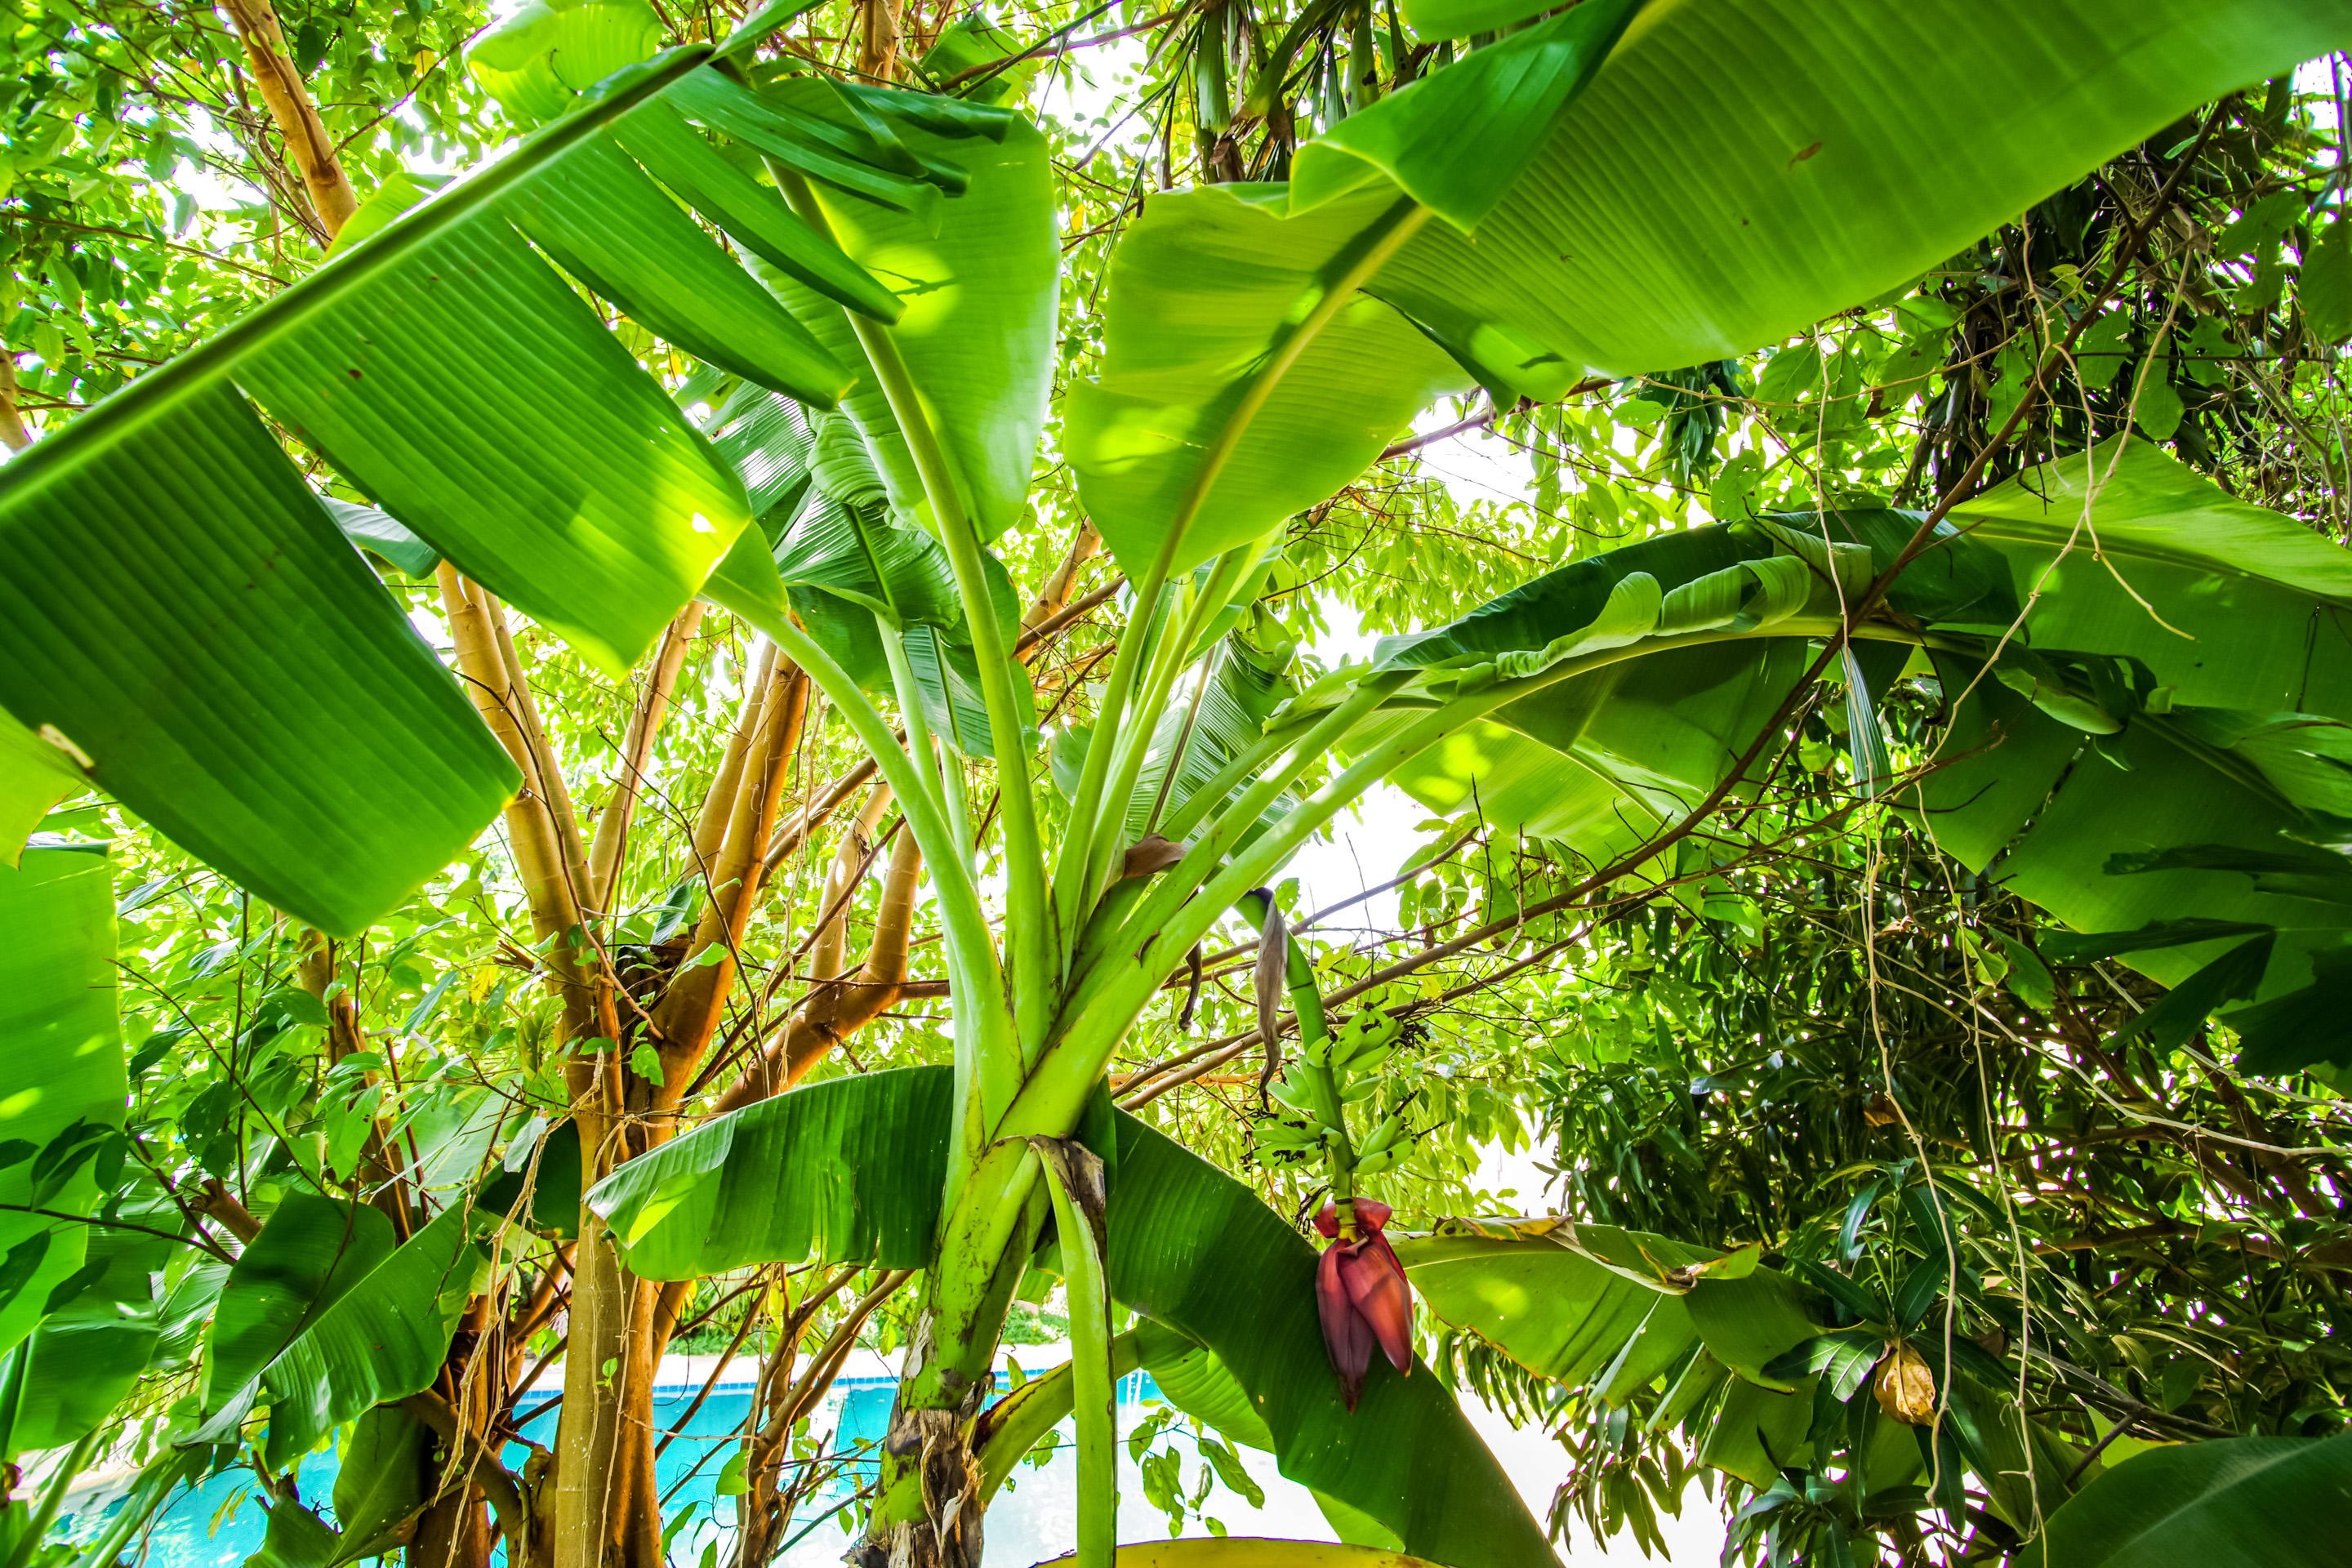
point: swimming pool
(219, 1522)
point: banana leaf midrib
(1799, 628)
(156, 393)
(2099, 548)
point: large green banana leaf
(2221, 604)
(383, 1338)
(848, 572)
(58, 1026)
(1196, 1250)
(2061, 817)
(1556, 1309)
(851, 1171)
(188, 623)
(1711, 178)
(383, 1479)
(2234, 610)
(310, 1253)
(847, 1171)
(1197, 1383)
(2135, 554)
(2239, 1502)
(542, 56)
(85, 1358)
(1601, 761)
(1594, 1304)
(1740, 168)
(2169, 710)
(33, 776)
(185, 620)
(979, 284)
(1610, 1311)
(296, 1537)
(87, 1352)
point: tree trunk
(608, 1500)
(306, 143)
(928, 1505)
(12, 424)
(877, 39)
(605, 1506)
(454, 1533)
(927, 1511)
(379, 1163)
(594, 1495)
(645, 720)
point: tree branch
(307, 142)
(637, 751)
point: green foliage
(2244, 1500)
(843, 1172)
(1196, 1250)
(1904, 1208)
(383, 1483)
(380, 1341)
(312, 1252)
(62, 1124)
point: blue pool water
(219, 1522)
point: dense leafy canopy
(648, 656)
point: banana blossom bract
(1363, 1297)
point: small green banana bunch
(1334, 1071)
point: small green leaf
(2157, 410)
(2326, 286)
(2028, 975)
(18, 1267)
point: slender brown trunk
(816, 814)
(542, 859)
(837, 1008)
(546, 776)
(12, 424)
(636, 753)
(455, 1530)
(454, 1533)
(308, 146)
(830, 956)
(877, 39)
(379, 1163)
(226, 1206)
(456, 1526)
(688, 1012)
(1060, 582)
(629, 1327)
(596, 1473)
(592, 1501)
(719, 803)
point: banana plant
(237, 676)
(1732, 1355)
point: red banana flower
(1361, 1296)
